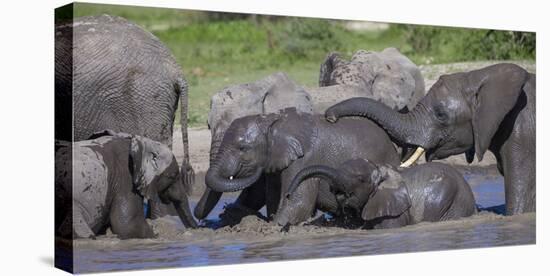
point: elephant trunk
(178, 197)
(218, 183)
(405, 129)
(206, 203)
(331, 174)
(209, 198)
(182, 208)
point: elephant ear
(495, 96)
(134, 159)
(391, 199)
(288, 139)
(331, 62)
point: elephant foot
(233, 214)
(285, 228)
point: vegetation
(221, 49)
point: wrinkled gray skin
(112, 176)
(123, 78)
(387, 198)
(387, 76)
(268, 95)
(492, 108)
(281, 145)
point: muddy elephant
(106, 180)
(280, 145)
(114, 75)
(492, 108)
(385, 197)
(267, 95)
(387, 76)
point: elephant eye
(154, 158)
(244, 147)
(441, 115)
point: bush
(301, 38)
(460, 44)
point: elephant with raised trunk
(280, 145)
(114, 75)
(110, 177)
(385, 197)
(492, 108)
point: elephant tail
(187, 172)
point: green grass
(216, 50)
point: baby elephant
(387, 198)
(112, 175)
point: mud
(255, 240)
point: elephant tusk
(231, 178)
(417, 153)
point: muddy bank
(253, 229)
(257, 241)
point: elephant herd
(281, 145)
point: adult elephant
(387, 76)
(282, 144)
(492, 108)
(267, 95)
(114, 75)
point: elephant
(268, 95)
(106, 180)
(492, 108)
(280, 145)
(387, 76)
(386, 198)
(112, 74)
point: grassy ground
(217, 49)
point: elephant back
(121, 77)
(268, 95)
(387, 76)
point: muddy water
(256, 241)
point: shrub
(460, 44)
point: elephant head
(155, 171)
(268, 95)
(370, 190)
(256, 144)
(460, 114)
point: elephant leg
(76, 226)
(249, 202)
(273, 194)
(159, 209)
(326, 201)
(301, 204)
(519, 180)
(127, 219)
(207, 202)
